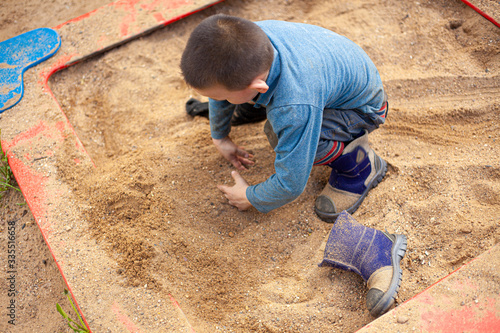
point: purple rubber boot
(354, 173)
(373, 254)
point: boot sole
(330, 218)
(397, 253)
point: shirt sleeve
(297, 128)
(220, 114)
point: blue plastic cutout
(17, 55)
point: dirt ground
(153, 196)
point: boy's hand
(236, 194)
(233, 153)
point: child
(322, 95)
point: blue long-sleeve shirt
(314, 70)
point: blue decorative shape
(17, 55)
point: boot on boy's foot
(354, 173)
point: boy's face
(220, 93)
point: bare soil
(153, 198)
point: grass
(76, 327)
(6, 176)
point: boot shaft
(353, 169)
(354, 247)
(373, 254)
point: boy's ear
(259, 85)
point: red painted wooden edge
(486, 16)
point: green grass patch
(6, 177)
(75, 326)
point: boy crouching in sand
(321, 95)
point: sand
(152, 199)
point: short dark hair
(226, 50)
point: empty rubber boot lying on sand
(354, 173)
(373, 254)
(243, 113)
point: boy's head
(226, 52)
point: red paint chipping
(61, 125)
(124, 319)
(26, 136)
(76, 19)
(102, 42)
(168, 4)
(125, 25)
(151, 6)
(176, 304)
(42, 128)
(469, 318)
(32, 185)
(61, 63)
(127, 6)
(159, 17)
(190, 13)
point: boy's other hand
(236, 194)
(233, 153)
